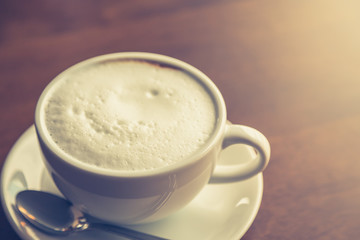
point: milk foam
(129, 115)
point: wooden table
(288, 68)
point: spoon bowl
(55, 215)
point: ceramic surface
(220, 211)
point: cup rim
(214, 92)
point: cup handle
(239, 134)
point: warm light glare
(26, 213)
(243, 201)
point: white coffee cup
(131, 197)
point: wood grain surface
(288, 68)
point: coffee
(129, 115)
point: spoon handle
(126, 232)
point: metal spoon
(56, 215)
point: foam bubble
(125, 115)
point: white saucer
(220, 211)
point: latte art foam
(129, 115)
